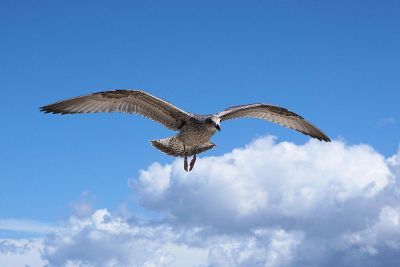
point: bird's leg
(192, 162)
(185, 163)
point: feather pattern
(274, 114)
(129, 101)
(174, 147)
(194, 130)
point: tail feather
(174, 147)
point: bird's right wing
(129, 101)
(274, 114)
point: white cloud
(111, 241)
(262, 247)
(268, 204)
(384, 233)
(21, 253)
(394, 164)
(266, 184)
(321, 191)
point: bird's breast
(195, 135)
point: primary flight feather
(194, 131)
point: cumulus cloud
(262, 248)
(267, 204)
(267, 184)
(105, 240)
(384, 233)
(21, 253)
(327, 193)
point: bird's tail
(174, 147)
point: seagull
(194, 131)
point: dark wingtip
(48, 109)
(325, 138)
(321, 137)
(44, 109)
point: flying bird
(194, 131)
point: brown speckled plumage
(194, 131)
(174, 147)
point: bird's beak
(218, 128)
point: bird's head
(214, 122)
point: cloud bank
(267, 204)
(267, 184)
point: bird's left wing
(129, 101)
(274, 114)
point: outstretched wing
(274, 114)
(129, 101)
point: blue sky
(336, 63)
